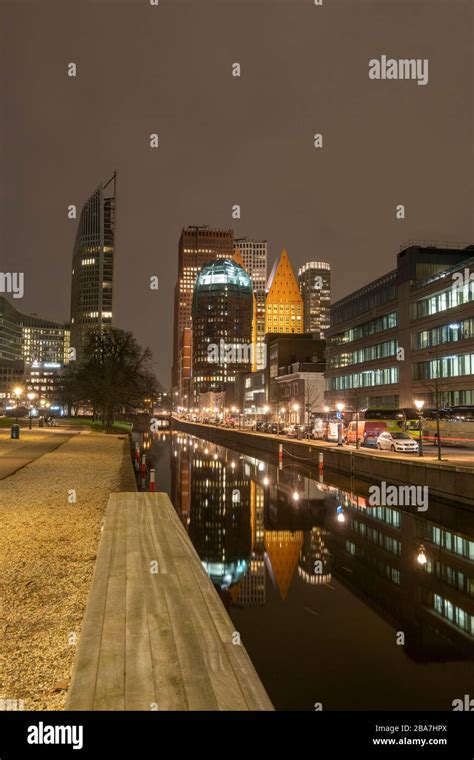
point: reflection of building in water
(294, 505)
(180, 479)
(433, 604)
(283, 551)
(251, 590)
(315, 562)
(219, 524)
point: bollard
(15, 431)
(152, 480)
(321, 461)
(143, 466)
(137, 457)
(280, 456)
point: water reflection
(254, 523)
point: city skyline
(335, 204)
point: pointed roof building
(284, 304)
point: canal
(329, 595)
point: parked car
(393, 441)
(272, 427)
(367, 432)
(296, 431)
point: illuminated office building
(222, 314)
(284, 304)
(254, 257)
(409, 334)
(93, 266)
(197, 246)
(315, 286)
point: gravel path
(48, 547)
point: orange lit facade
(284, 307)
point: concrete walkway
(32, 444)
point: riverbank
(51, 514)
(446, 480)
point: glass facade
(222, 313)
(446, 366)
(385, 322)
(370, 353)
(442, 301)
(387, 376)
(448, 333)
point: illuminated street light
(339, 407)
(419, 403)
(30, 396)
(266, 480)
(296, 496)
(421, 557)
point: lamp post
(296, 408)
(31, 396)
(281, 412)
(419, 408)
(339, 407)
(421, 556)
(17, 391)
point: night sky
(225, 141)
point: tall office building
(315, 286)
(284, 304)
(197, 246)
(223, 309)
(92, 265)
(254, 256)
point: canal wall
(446, 481)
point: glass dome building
(223, 325)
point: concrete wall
(446, 482)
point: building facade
(93, 265)
(222, 314)
(254, 255)
(284, 351)
(284, 304)
(197, 246)
(406, 335)
(315, 287)
(30, 338)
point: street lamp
(281, 412)
(339, 407)
(296, 408)
(17, 391)
(419, 408)
(421, 556)
(30, 397)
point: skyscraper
(315, 286)
(92, 265)
(284, 305)
(254, 256)
(222, 326)
(197, 245)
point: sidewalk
(32, 444)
